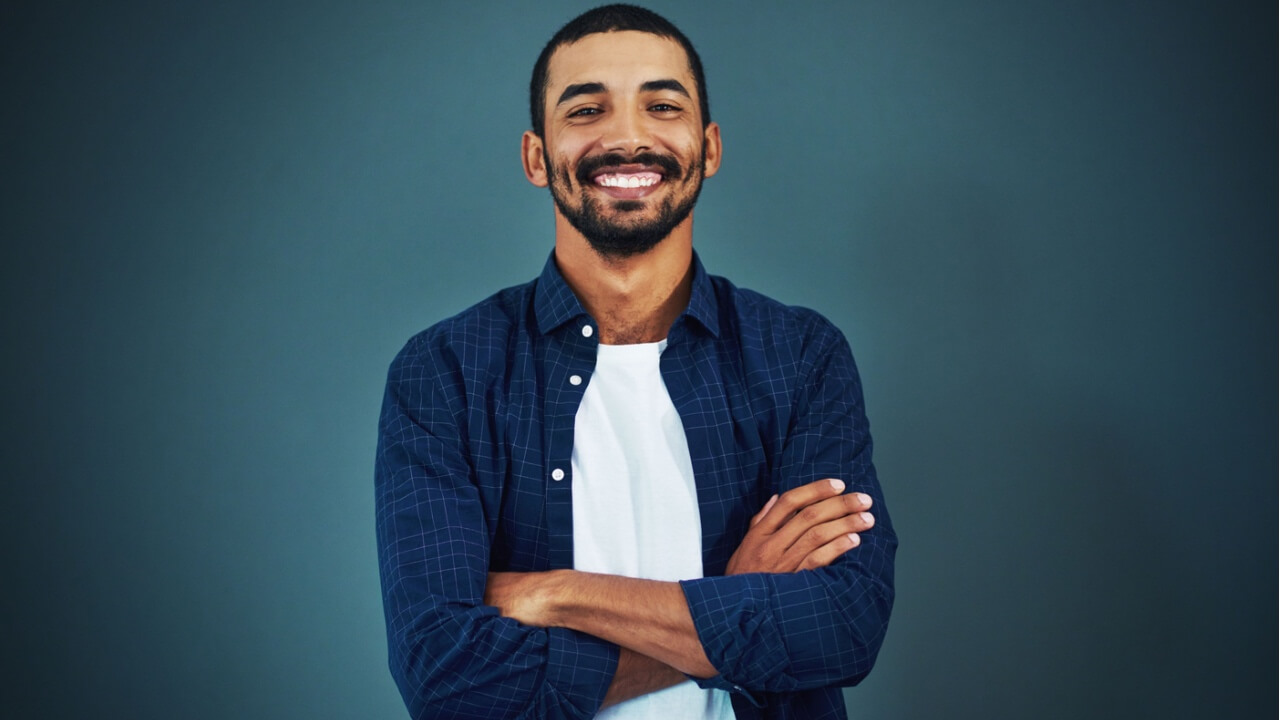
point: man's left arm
(783, 632)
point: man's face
(625, 152)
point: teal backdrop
(1048, 230)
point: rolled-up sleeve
(451, 655)
(814, 628)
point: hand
(804, 528)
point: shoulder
(472, 340)
(758, 318)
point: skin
(633, 299)
(633, 107)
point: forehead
(621, 60)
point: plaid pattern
(473, 473)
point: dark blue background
(1048, 230)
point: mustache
(594, 164)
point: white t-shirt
(635, 505)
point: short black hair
(611, 18)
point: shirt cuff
(733, 620)
(580, 668)
(717, 682)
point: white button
(586, 331)
(557, 474)
(575, 379)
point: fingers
(820, 545)
(808, 525)
(795, 500)
(804, 528)
(830, 552)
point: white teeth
(629, 181)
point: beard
(623, 236)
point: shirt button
(586, 331)
(557, 474)
(575, 379)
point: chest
(522, 437)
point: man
(628, 487)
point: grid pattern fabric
(473, 474)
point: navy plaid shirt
(473, 475)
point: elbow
(440, 679)
(862, 634)
(443, 674)
(422, 682)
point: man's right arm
(450, 654)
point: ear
(711, 138)
(531, 154)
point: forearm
(639, 675)
(647, 616)
(650, 617)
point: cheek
(556, 171)
(562, 173)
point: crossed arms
(806, 528)
(796, 608)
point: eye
(664, 107)
(584, 112)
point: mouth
(628, 178)
(627, 182)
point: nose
(626, 133)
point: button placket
(575, 360)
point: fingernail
(853, 538)
(865, 498)
(867, 518)
(837, 484)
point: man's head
(621, 133)
(611, 18)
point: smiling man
(628, 489)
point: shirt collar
(702, 302)
(554, 303)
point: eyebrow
(573, 91)
(594, 88)
(668, 84)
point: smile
(628, 180)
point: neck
(633, 299)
